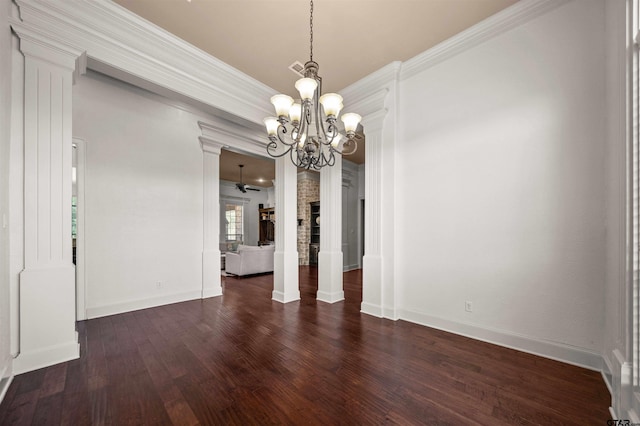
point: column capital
(37, 45)
(210, 146)
(374, 122)
(226, 133)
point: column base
(372, 286)
(34, 360)
(47, 318)
(330, 285)
(211, 281)
(286, 287)
(285, 298)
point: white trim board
(138, 304)
(5, 382)
(46, 357)
(556, 351)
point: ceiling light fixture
(309, 144)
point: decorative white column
(285, 273)
(330, 264)
(375, 98)
(211, 282)
(47, 283)
(372, 262)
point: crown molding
(228, 134)
(360, 92)
(110, 34)
(521, 12)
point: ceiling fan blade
(252, 189)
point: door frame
(81, 290)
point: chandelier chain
(291, 132)
(311, 31)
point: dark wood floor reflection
(243, 359)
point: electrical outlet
(468, 306)
(158, 285)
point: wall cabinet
(314, 241)
(267, 225)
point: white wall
(250, 200)
(500, 183)
(144, 189)
(5, 126)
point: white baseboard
(45, 357)
(556, 351)
(369, 309)
(212, 292)
(348, 268)
(5, 380)
(134, 305)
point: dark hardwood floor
(243, 359)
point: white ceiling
(352, 39)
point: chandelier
(310, 136)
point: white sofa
(250, 260)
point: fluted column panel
(285, 274)
(211, 282)
(372, 262)
(330, 285)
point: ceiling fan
(242, 187)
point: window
(74, 217)
(233, 222)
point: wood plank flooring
(243, 359)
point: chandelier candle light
(308, 142)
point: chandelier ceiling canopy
(309, 135)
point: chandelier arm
(332, 130)
(282, 131)
(295, 161)
(306, 120)
(349, 152)
(273, 145)
(332, 158)
(318, 117)
(320, 128)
